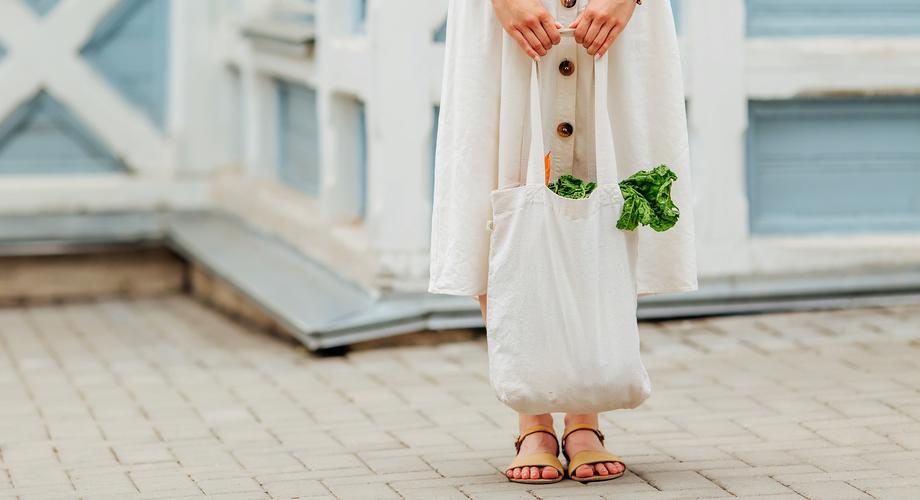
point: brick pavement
(162, 398)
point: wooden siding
(846, 18)
(130, 49)
(41, 7)
(834, 166)
(298, 137)
(44, 137)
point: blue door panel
(833, 18)
(834, 166)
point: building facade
(315, 121)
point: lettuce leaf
(572, 187)
(647, 200)
(646, 197)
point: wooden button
(568, 4)
(566, 67)
(565, 129)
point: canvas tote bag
(561, 311)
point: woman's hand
(529, 23)
(601, 23)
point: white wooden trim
(98, 192)
(793, 67)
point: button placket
(562, 143)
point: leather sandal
(540, 459)
(589, 457)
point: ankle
(581, 418)
(525, 421)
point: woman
(490, 45)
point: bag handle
(605, 149)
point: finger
(596, 26)
(534, 43)
(584, 22)
(552, 30)
(542, 36)
(599, 39)
(524, 44)
(611, 38)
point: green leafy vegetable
(647, 200)
(572, 187)
(646, 196)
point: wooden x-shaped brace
(44, 53)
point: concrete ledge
(105, 273)
(242, 270)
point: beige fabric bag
(561, 317)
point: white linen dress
(483, 124)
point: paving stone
(164, 399)
(233, 485)
(829, 490)
(751, 485)
(295, 489)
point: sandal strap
(540, 459)
(532, 429)
(587, 457)
(576, 427)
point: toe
(518, 474)
(601, 469)
(509, 473)
(614, 467)
(550, 473)
(534, 473)
(584, 471)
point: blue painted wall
(298, 137)
(440, 35)
(834, 166)
(360, 9)
(677, 8)
(43, 137)
(42, 7)
(434, 147)
(130, 49)
(833, 18)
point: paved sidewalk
(165, 399)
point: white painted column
(261, 118)
(338, 120)
(400, 119)
(718, 121)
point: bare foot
(535, 443)
(584, 439)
